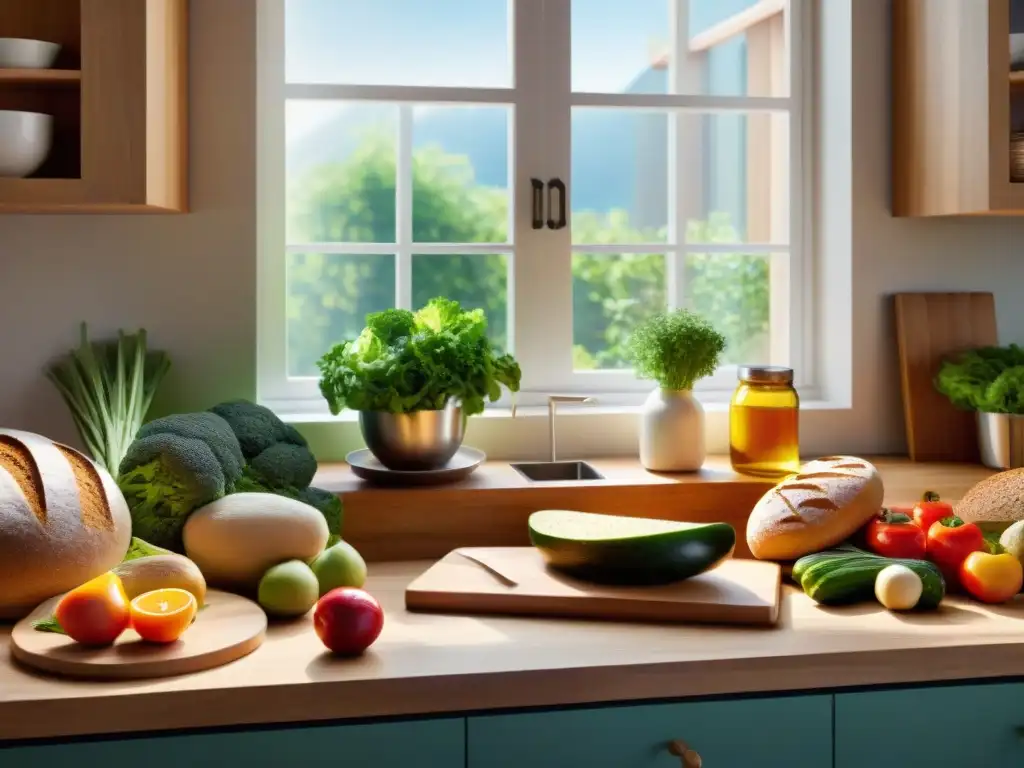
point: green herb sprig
(109, 386)
(676, 349)
(989, 379)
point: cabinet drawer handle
(688, 758)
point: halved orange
(161, 616)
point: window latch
(560, 222)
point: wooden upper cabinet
(118, 97)
(956, 106)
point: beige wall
(190, 280)
(892, 255)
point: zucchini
(847, 575)
(612, 549)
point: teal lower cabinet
(964, 726)
(785, 732)
(413, 744)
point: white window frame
(541, 341)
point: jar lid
(765, 374)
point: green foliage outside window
(329, 295)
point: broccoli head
(275, 451)
(176, 465)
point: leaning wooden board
(228, 628)
(929, 328)
(515, 581)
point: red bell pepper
(893, 534)
(950, 541)
(929, 510)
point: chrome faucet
(553, 401)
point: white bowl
(19, 53)
(25, 140)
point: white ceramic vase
(672, 432)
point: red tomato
(348, 620)
(895, 535)
(930, 511)
(949, 544)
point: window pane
(477, 281)
(460, 174)
(739, 192)
(398, 42)
(619, 47)
(628, 47)
(329, 296)
(341, 172)
(619, 188)
(733, 292)
(610, 295)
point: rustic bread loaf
(62, 521)
(816, 509)
(996, 501)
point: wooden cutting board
(929, 328)
(228, 628)
(515, 580)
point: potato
(144, 574)
(234, 540)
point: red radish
(348, 620)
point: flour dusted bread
(62, 521)
(816, 509)
(996, 501)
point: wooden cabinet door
(414, 744)
(785, 732)
(965, 726)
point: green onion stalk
(108, 387)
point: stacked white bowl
(25, 137)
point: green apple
(339, 566)
(288, 589)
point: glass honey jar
(764, 416)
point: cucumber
(847, 575)
(617, 550)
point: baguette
(820, 507)
(63, 521)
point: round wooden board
(228, 628)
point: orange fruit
(162, 615)
(95, 613)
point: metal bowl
(417, 441)
(1001, 440)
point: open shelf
(117, 93)
(42, 77)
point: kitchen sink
(554, 471)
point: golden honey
(764, 423)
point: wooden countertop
(491, 506)
(499, 475)
(435, 664)
(904, 479)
